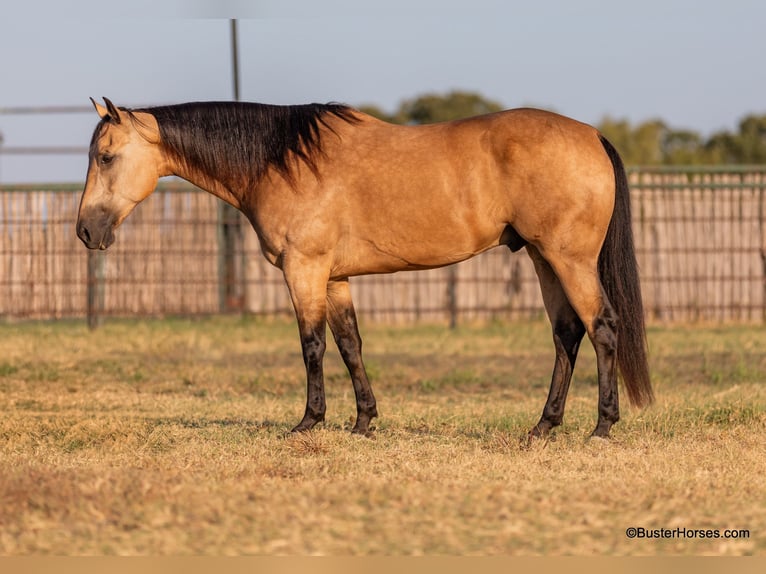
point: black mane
(236, 143)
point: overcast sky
(695, 64)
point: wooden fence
(700, 238)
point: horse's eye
(106, 159)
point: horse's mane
(237, 143)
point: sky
(696, 65)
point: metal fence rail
(700, 240)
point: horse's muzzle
(96, 234)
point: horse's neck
(209, 183)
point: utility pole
(232, 281)
(235, 58)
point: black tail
(618, 271)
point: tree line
(651, 142)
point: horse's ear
(100, 110)
(114, 113)
(109, 112)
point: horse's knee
(314, 346)
(604, 331)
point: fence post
(229, 237)
(762, 227)
(96, 288)
(452, 295)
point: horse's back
(512, 167)
(502, 153)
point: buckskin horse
(333, 193)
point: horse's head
(125, 163)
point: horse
(334, 193)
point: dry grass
(169, 437)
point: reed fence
(700, 239)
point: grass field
(169, 437)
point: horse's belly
(409, 253)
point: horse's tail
(618, 271)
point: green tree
(640, 145)
(647, 142)
(376, 112)
(654, 143)
(722, 147)
(748, 145)
(455, 105)
(619, 133)
(751, 139)
(683, 147)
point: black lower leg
(605, 343)
(567, 334)
(346, 333)
(313, 345)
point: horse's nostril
(84, 233)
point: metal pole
(231, 293)
(96, 288)
(762, 226)
(235, 58)
(452, 295)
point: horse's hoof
(600, 435)
(534, 437)
(305, 425)
(598, 440)
(366, 433)
(362, 425)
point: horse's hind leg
(581, 283)
(342, 319)
(568, 331)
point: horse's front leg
(307, 281)
(342, 318)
